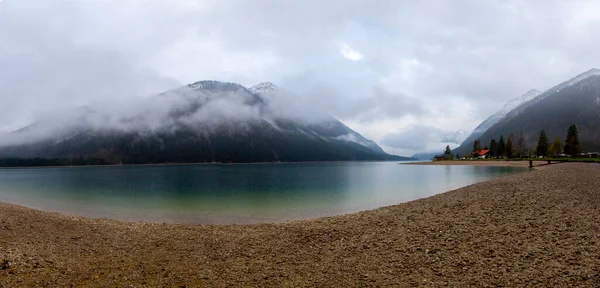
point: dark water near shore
(232, 193)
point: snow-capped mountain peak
(215, 86)
(262, 87)
(576, 79)
(507, 108)
(514, 103)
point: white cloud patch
(350, 54)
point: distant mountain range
(206, 121)
(576, 100)
(425, 155)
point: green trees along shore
(519, 149)
(572, 146)
(543, 145)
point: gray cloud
(416, 138)
(411, 139)
(420, 138)
(202, 109)
(433, 63)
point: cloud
(415, 138)
(199, 105)
(435, 63)
(165, 112)
(350, 53)
(420, 138)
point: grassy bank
(572, 160)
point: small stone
(4, 264)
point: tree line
(517, 148)
(571, 147)
(45, 162)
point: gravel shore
(530, 229)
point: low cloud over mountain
(206, 121)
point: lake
(232, 193)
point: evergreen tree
(521, 144)
(509, 146)
(501, 146)
(476, 146)
(493, 148)
(457, 156)
(572, 146)
(556, 146)
(448, 152)
(543, 145)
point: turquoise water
(248, 193)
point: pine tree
(521, 144)
(509, 146)
(493, 148)
(543, 145)
(556, 146)
(501, 147)
(572, 146)
(476, 146)
(448, 152)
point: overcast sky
(398, 72)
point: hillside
(574, 101)
(206, 121)
(495, 118)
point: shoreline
(524, 229)
(198, 163)
(486, 163)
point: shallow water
(240, 193)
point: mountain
(467, 144)
(574, 101)
(263, 87)
(342, 132)
(592, 73)
(206, 121)
(425, 155)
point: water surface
(240, 193)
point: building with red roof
(482, 154)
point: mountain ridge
(262, 87)
(497, 116)
(555, 89)
(209, 121)
(576, 100)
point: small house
(482, 154)
(440, 157)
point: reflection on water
(232, 193)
